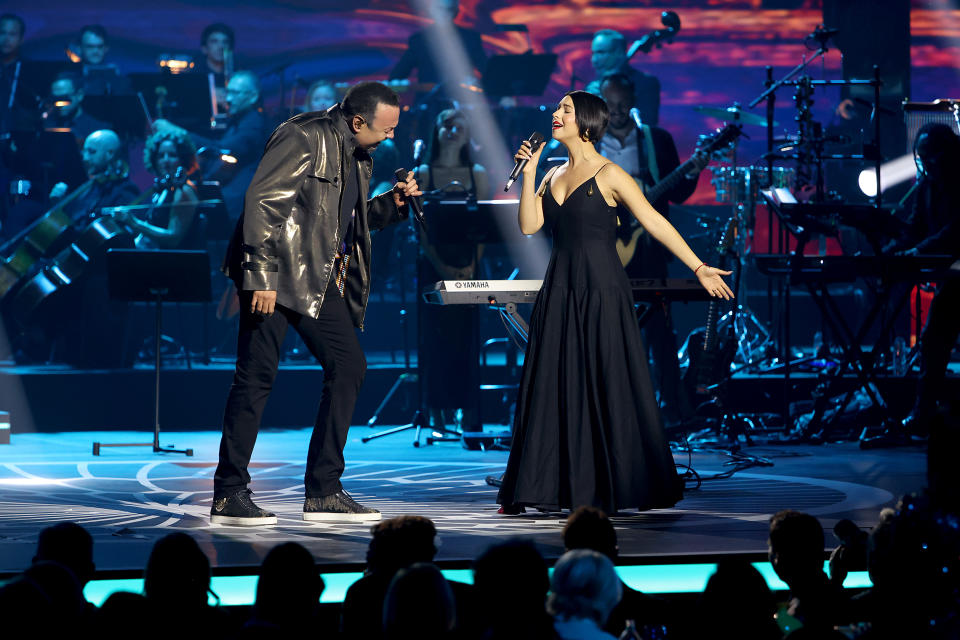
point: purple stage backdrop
(718, 57)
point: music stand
(526, 74)
(122, 111)
(183, 98)
(157, 276)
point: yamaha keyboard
(499, 292)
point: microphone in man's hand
(401, 176)
(535, 140)
(417, 152)
(637, 120)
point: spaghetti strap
(601, 169)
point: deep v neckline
(579, 186)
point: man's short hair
(69, 544)
(12, 17)
(615, 36)
(619, 81)
(590, 528)
(796, 535)
(400, 542)
(73, 77)
(216, 27)
(96, 30)
(363, 98)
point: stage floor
(129, 498)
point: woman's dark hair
(186, 151)
(362, 100)
(592, 115)
(466, 159)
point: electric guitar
(707, 145)
(709, 360)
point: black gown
(587, 429)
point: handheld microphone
(535, 140)
(401, 176)
(417, 152)
(637, 120)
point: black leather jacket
(286, 239)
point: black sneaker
(238, 510)
(338, 507)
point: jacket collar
(350, 144)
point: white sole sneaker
(324, 516)
(235, 521)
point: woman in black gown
(587, 428)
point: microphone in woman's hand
(535, 140)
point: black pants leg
(936, 343)
(258, 355)
(332, 339)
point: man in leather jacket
(300, 257)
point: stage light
(891, 174)
(175, 63)
(228, 158)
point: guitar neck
(671, 180)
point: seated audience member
(123, 611)
(584, 590)
(232, 159)
(288, 592)
(511, 583)
(27, 609)
(177, 579)
(69, 612)
(796, 553)
(170, 157)
(99, 76)
(419, 604)
(590, 528)
(66, 110)
(736, 603)
(68, 544)
(913, 557)
(321, 95)
(397, 543)
(851, 554)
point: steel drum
(743, 184)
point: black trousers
(332, 340)
(936, 342)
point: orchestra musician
(66, 108)
(934, 228)
(231, 159)
(608, 55)
(448, 349)
(300, 258)
(171, 158)
(321, 95)
(216, 44)
(429, 45)
(648, 153)
(99, 76)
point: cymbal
(734, 114)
